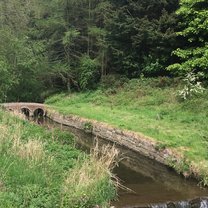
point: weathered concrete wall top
(134, 141)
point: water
(151, 184)
(197, 203)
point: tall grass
(35, 165)
(33, 150)
(81, 187)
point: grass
(78, 182)
(150, 106)
(36, 166)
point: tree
(20, 56)
(142, 33)
(194, 29)
(49, 45)
(89, 73)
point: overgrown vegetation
(150, 106)
(193, 29)
(42, 168)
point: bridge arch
(38, 112)
(26, 111)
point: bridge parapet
(29, 109)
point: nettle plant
(192, 85)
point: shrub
(88, 127)
(192, 86)
(89, 73)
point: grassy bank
(152, 107)
(42, 168)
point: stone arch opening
(25, 111)
(39, 112)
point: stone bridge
(29, 109)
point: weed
(88, 127)
(160, 146)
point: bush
(192, 86)
(89, 73)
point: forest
(52, 46)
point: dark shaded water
(152, 184)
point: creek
(149, 183)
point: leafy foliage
(192, 85)
(194, 29)
(88, 72)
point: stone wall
(134, 141)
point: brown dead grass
(32, 150)
(83, 180)
(99, 164)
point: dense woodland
(48, 46)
